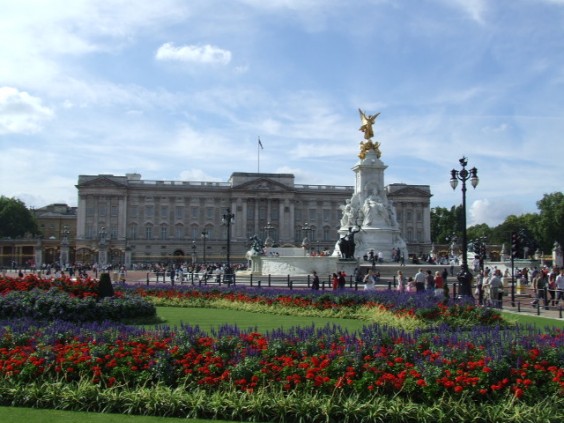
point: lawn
(208, 319)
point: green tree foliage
(479, 231)
(15, 219)
(550, 220)
(445, 222)
(539, 230)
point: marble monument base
(304, 265)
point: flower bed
(365, 305)
(484, 364)
(450, 361)
(66, 299)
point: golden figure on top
(366, 146)
(367, 122)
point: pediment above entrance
(98, 181)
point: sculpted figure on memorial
(367, 122)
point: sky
(183, 89)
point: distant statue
(347, 244)
(367, 122)
(257, 247)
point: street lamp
(227, 219)
(204, 237)
(464, 277)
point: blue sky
(181, 90)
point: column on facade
(122, 218)
(81, 218)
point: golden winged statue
(367, 122)
(366, 146)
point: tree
(551, 220)
(15, 219)
(479, 231)
(445, 222)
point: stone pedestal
(370, 214)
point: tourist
(540, 283)
(419, 280)
(369, 283)
(560, 286)
(410, 287)
(552, 285)
(445, 275)
(335, 282)
(429, 281)
(400, 279)
(439, 285)
(342, 280)
(479, 292)
(315, 282)
(487, 299)
(496, 289)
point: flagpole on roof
(259, 147)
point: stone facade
(413, 213)
(147, 221)
(156, 221)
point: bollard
(259, 283)
(538, 307)
(518, 306)
(147, 278)
(291, 284)
(269, 280)
(389, 285)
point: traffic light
(515, 244)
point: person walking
(335, 282)
(369, 281)
(496, 289)
(342, 280)
(315, 282)
(487, 299)
(400, 279)
(419, 280)
(560, 286)
(429, 281)
(439, 285)
(540, 284)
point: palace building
(132, 221)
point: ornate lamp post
(227, 219)
(464, 277)
(204, 237)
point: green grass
(528, 319)
(207, 318)
(32, 415)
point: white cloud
(194, 54)
(473, 8)
(21, 112)
(492, 214)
